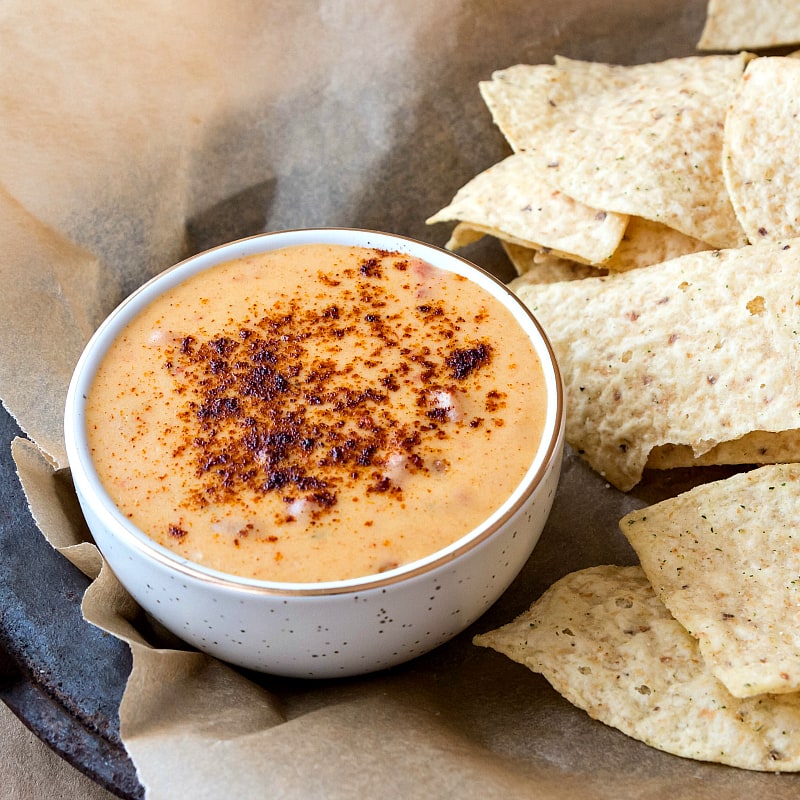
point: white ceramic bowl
(336, 628)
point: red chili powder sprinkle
(264, 410)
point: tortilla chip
(646, 243)
(513, 201)
(758, 447)
(643, 244)
(750, 24)
(644, 140)
(724, 558)
(608, 645)
(540, 266)
(695, 351)
(761, 156)
(462, 235)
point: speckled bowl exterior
(336, 628)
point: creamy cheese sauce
(316, 413)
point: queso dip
(316, 413)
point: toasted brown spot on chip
(756, 305)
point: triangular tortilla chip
(750, 24)
(646, 243)
(696, 351)
(758, 447)
(643, 244)
(644, 140)
(462, 235)
(541, 266)
(761, 155)
(605, 642)
(725, 560)
(513, 201)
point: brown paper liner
(133, 136)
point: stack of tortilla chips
(677, 180)
(696, 651)
(653, 215)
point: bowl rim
(91, 491)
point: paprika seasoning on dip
(315, 412)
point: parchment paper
(133, 136)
